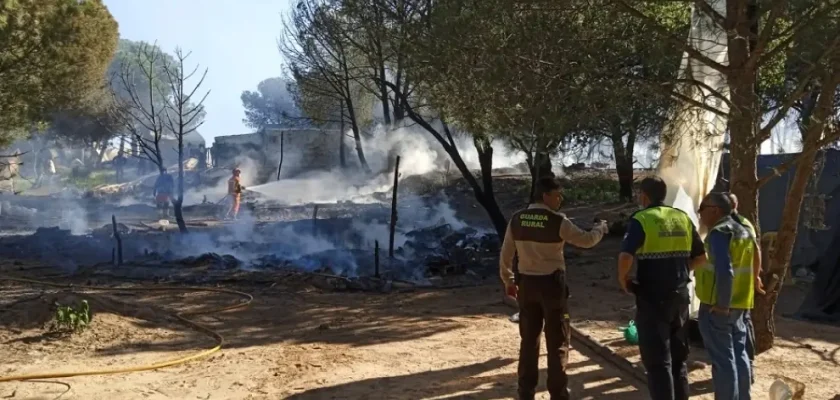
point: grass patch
(601, 188)
(20, 184)
(92, 180)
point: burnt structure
(303, 150)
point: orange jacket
(233, 186)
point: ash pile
(444, 251)
(340, 255)
(435, 256)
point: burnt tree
(138, 102)
(186, 113)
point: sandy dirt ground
(300, 343)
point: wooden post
(282, 134)
(394, 209)
(117, 237)
(376, 260)
(315, 221)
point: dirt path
(454, 344)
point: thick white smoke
(420, 154)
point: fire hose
(220, 340)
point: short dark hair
(654, 188)
(720, 200)
(734, 200)
(545, 185)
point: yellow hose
(180, 316)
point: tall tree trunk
(623, 154)
(399, 111)
(178, 204)
(487, 197)
(540, 165)
(484, 195)
(624, 170)
(780, 256)
(342, 157)
(135, 148)
(743, 115)
(357, 135)
(383, 88)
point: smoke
(218, 191)
(73, 217)
(419, 152)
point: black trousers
(663, 343)
(543, 304)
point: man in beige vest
(536, 236)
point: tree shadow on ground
(827, 355)
(587, 380)
(353, 319)
(294, 316)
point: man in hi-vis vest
(725, 286)
(759, 286)
(666, 246)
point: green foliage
(53, 54)
(135, 64)
(590, 190)
(272, 103)
(72, 319)
(86, 179)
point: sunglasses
(705, 206)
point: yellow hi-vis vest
(668, 233)
(747, 224)
(741, 252)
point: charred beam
(376, 259)
(119, 258)
(280, 165)
(394, 209)
(315, 221)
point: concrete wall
(304, 150)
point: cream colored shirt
(544, 256)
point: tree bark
(743, 118)
(280, 164)
(178, 204)
(780, 255)
(487, 197)
(357, 136)
(539, 165)
(401, 82)
(484, 195)
(342, 157)
(623, 155)
(624, 170)
(383, 89)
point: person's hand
(624, 283)
(511, 291)
(602, 225)
(759, 286)
(720, 310)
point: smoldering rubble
(337, 251)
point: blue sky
(236, 40)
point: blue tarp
(816, 249)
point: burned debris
(339, 255)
